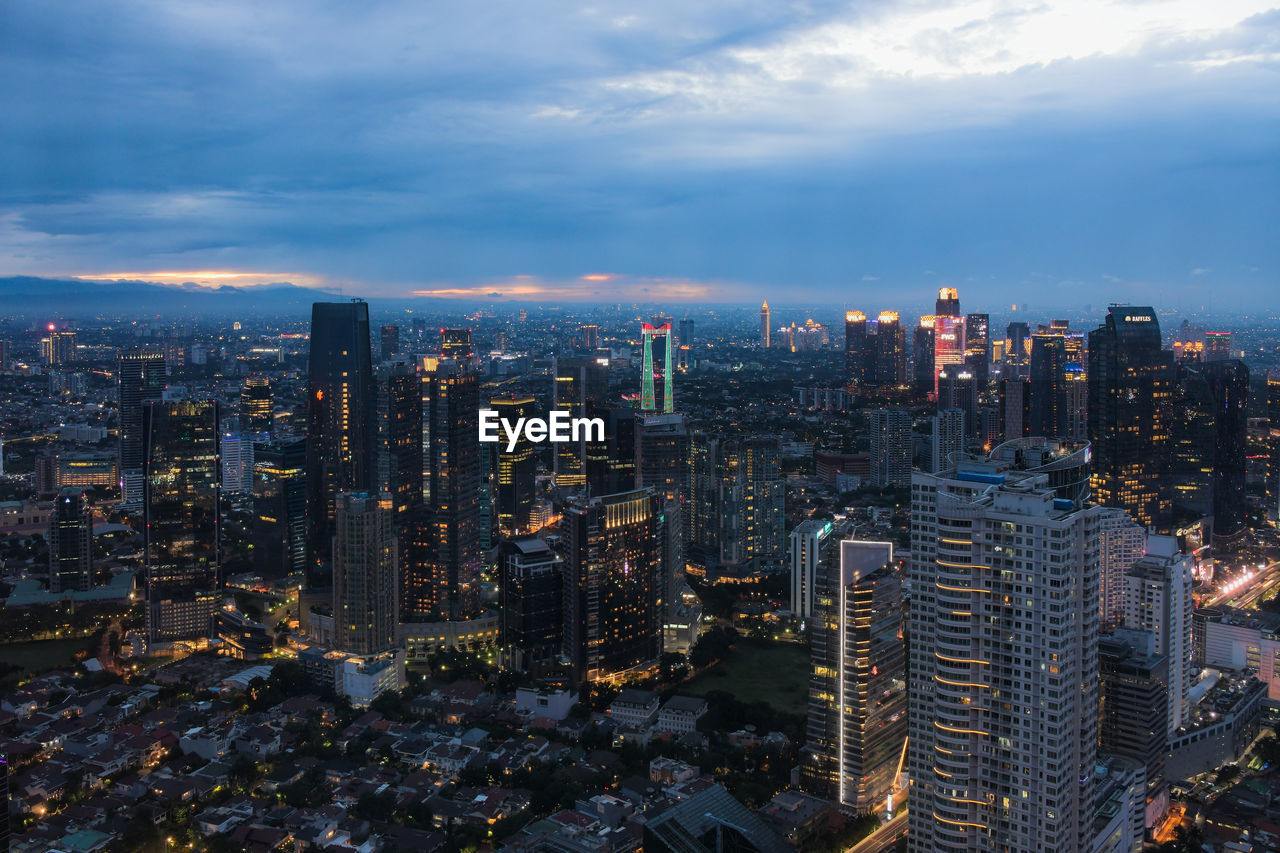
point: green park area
(757, 671)
(40, 655)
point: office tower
(1048, 385)
(280, 508)
(256, 405)
(1272, 426)
(237, 464)
(611, 462)
(70, 542)
(1123, 544)
(443, 580)
(58, 348)
(702, 503)
(532, 605)
(855, 349)
(341, 416)
(808, 543)
(990, 427)
(612, 584)
(764, 325)
(5, 354)
(662, 453)
(948, 303)
(684, 358)
(958, 389)
(890, 365)
(181, 506)
(364, 573)
(398, 439)
(514, 470)
(1158, 601)
(948, 440)
(1076, 422)
(1003, 669)
(1017, 349)
(1015, 408)
(1135, 709)
(390, 336)
(656, 373)
(1217, 346)
(456, 344)
(687, 332)
(948, 345)
(589, 337)
(890, 434)
(977, 347)
(923, 378)
(579, 383)
(1228, 381)
(141, 379)
(753, 538)
(1130, 392)
(857, 726)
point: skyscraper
(890, 434)
(70, 542)
(958, 389)
(656, 371)
(687, 332)
(182, 499)
(514, 470)
(948, 439)
(977, 346)
(364, 573)
(532, 604)
(855, 349)
(1015, 408)
(1217, 346)
(141, 379)
(764, 325)
(1048, 404)
(857, 724)
(58, 348)
(1130, 395)
(280, 507)
(1158, 601)
(1273, 447)
(923, 377)
(1135, 709)
(662, 453)
(456, 343)
(613, 584)
(341, 415)
(890, 365)
(578, 383)
(998, 558)
(390, 336)
(398, 438)
(1017, 354)
(1229, 386)
(809, 541)
(948, 345)
(948, 302)
(1123, 544)
(753, 538)
(256, 405)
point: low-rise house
(681, 714)
(635, 708)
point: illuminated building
(752, 523)
(656, 381)
(1017, 350)
(948, 302)
(958, 389)
(613, 584)
(889, 368)
(977, 347)
(141, 379)
(390, 340)
(242, 638)
(855, 349)
(398, 440)
(1158, 601)
(808, 542)
(1130, 395)
(1135, 709)
(948, 345)
(687, 329)
(611, 463)
(1210, 444)
(456, 343)
(1273, 447)
(1123, 544)
(857, 724)
(948, 439)
(589, 337)
(87, 469)
(341, 415)
(1217, 346)
(237, 464)
(364, 573)
(1048, 403)
(256, 405)
(579, 383)
(532, 605)
(280, 507)
(58, 348)
(923, 378)
(1004, 614)
(181, 507)
(891, 447)
(70, 542)
(764, 325)
(514, 470)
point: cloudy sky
(1056, 152)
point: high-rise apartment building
(613, 584)
(182, 502)
(977, 347)
(1130, 398)
(237, 464)
(1135, 709)
(70, 542)
(141, 379)
(891, 445)
(532, 604)
(1004, 663)
(948, 439)
(364, 573)
(753, 538)
(1158, 601)
(58, 348)
(1123, 544)
(398, 434)
(390, 340)
(875, 351)
(257, 407)
(341, 416)
(280, 507)
(857, 726)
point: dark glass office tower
(364, 573)
(341, 417)
(948, 302)
(1016, 358)
(613, 584)
(890, 359)
(532, 598)
(141, 380)
(855, 348)
(514, 470)
(390, 342)
(1229, 386)
(280, 508)
(398, 444)
(70, 542)
(922, 376)
(958, 389)
(256, 405)
(977, 347)
(181, 505)
(1273, 446)
(611, 464)
(456, 343)
(687, 331)
(1130, 396)
(578, 383)
(1048, 403)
